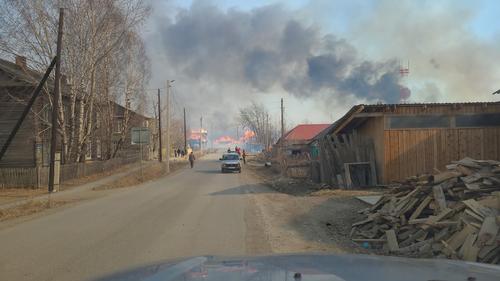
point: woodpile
(453, 214)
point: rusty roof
(305, 131)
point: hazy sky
(322, 57)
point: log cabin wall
(21, 150)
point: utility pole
(201, 132)
(211, 135)
(160, 156)
(282, 122)
(55, 103)
(169, 82)
(267, 131)
(185, 133)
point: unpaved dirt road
(192, 212)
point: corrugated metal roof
(305, 131)
(431, 104)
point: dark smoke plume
(267, 48)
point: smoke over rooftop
(266, 48)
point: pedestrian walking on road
(191, 159)
(244, 155)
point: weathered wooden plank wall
(410, 152)
(338, 150)
(21, 151)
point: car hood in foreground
(231, 162)
(315, 267)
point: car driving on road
(230, 162)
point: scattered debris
(369, 199)
(454, 214)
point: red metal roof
(305, 131)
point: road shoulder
(318, 221)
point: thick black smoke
(267, 48)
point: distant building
(292, 150)
(194, 138)
(296, 141)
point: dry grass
(152, 172)
(83, 180)
(30, 208)
(8, 195)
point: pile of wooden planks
(453, 214)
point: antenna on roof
(404, 91)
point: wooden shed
(411, 139)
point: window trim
(452, 117)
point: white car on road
(230, 162)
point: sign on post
(140, 135)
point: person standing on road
(244, 155)
(191, 159)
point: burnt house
(396, 141)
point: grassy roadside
(34, 206)
(30, 208)
(152, 172)
(12, 194)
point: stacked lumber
(454, 214)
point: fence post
(57, 172)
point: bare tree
(103, 59)
(255, 117)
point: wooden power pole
(55, 103)
(185, 133)
(201, 132)
(160, 156)
(168, 125)
(282, 122)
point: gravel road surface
(191, 212)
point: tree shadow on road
(243, 189)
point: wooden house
(292, 150)
(295, 141)
(395, 141)
(31, 144)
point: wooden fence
(347, 160)
(38, 176)
(296, 166)
(18, 177)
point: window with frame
(422, 121)
(478, 120)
